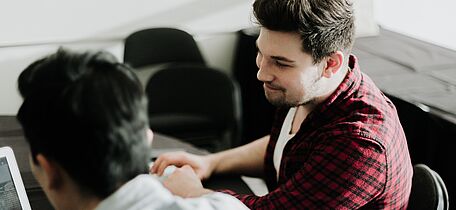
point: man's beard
(283, 103)
(308, 98)
(281, 100)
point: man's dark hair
(325, 26)
(88, 113)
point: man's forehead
(280, 44)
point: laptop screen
(9, 199)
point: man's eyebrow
(279, 58)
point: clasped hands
(185, 181)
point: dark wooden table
(11, 135)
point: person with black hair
(336, 141)
(84, 117)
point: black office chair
(197, 104)
(428, 190)
(150, 50)
(160, 46)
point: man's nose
(264, 73)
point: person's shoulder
(145, 191)
(354, 129)
(223, 201)
(369, 105)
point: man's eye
(281, 64)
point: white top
(145, 192)
(284, 137)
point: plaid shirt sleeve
(337, 176)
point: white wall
(25, 21)
(14, 60)
(432, 21)
(46, 24)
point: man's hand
(185, 183)
(202, 165)
(246, 160)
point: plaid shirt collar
(348, 86)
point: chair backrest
(161, 45)
(190, 94)
(428, 190)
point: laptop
(12, 190)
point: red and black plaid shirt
(350, 153)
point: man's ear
(332, 64)
(52, 173)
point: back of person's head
(325, 26)
(87, 112)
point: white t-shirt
(284, 137)
(145, 192)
